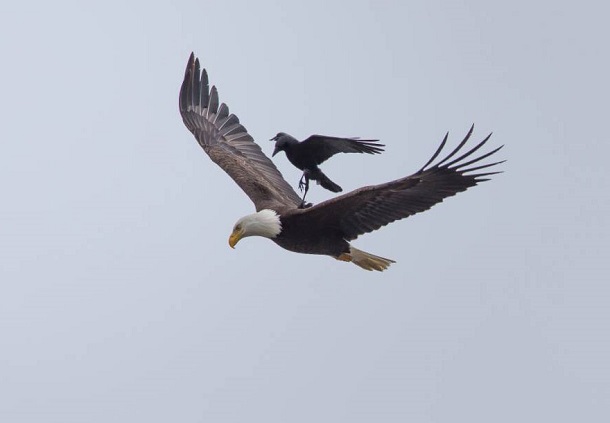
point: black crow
(308, 154)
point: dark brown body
(299, 236)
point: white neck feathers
(263, 223)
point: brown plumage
(325, 228)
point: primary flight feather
(325, 228)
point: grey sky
(120, 299)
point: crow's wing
(322, 147)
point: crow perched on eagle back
(328, 227)
(308, 154)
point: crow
(308, 154)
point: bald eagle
(308, 154)
(327, 227)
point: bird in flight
(328, 227)
(307, 155)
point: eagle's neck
(263, 223)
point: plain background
(120, 299)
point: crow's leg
(304, 181)
(306, 187)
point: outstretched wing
(228, 143)
(322, 147)
(369, 208)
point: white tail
(365, 260)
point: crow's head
(281, 141)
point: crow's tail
(327, 183)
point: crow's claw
(305, 205)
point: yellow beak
(235, 237)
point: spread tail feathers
(328, 184)
(365, 260)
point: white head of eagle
(263, 223)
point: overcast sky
(121, 301)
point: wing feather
(322, 147)
(228, 143)
(369, 208)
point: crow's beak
(273, 139)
